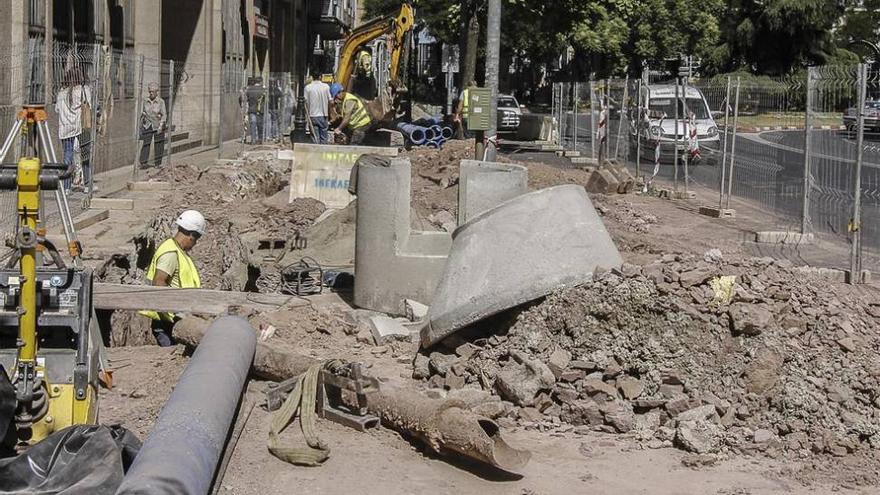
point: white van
(661, 124)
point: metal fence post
(724, 145)
(93, 93)
(593, 130)
(808, 140)
(620, 124)
(733, 145)
(687, 130)
(855, 224)
(675, 146)
(138, 110)
(640, 119)
(574, 116)
(169, 120)
(607, 144)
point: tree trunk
(472, 40)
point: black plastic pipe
(181, 453)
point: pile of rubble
(706, 354)
(623, 213)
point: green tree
(778, 36)
(861, 22)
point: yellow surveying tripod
(49, 351)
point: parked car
(661, 124)
(872, 117)
(509, 113)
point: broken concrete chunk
(415, 311)
(522, 379)
(599, 390)
(386, 330)
(582, 412)
(421, 369)
(439, 363)
(630, 388)
(465, 351)
(559, 361)
(699, 437)
(749, 319)
(701, 413)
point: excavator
(396, 28)
(50, 346)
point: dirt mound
(705, 354)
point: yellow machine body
(65, 408)
(396, 27)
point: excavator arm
(396, 26)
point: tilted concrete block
(516, 252)
(484, 185)
(602, 181)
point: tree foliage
(613, 37)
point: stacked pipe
(426, 132)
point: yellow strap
(302, 399)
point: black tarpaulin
(83, 459)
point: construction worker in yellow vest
(172, 267)
(356, 119)
(461, 112)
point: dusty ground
(645, 228)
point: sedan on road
(872, 117)
(509, 113)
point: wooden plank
(193, 301)
(148, 186)
(89, 218)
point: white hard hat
(192, 221)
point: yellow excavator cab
(396, 27)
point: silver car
(661, 124)
(509, 113)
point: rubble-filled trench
(251, 229)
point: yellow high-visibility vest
(465, 102)
(360, 117)
(186, 272)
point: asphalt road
(769, 170)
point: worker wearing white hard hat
(172, 266)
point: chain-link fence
(114, 112)
(744, 137)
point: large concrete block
(322, 171)
(392, 262)
(602, 181)
(517, 252)
(534, 127)
(484, 185)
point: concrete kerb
(783, 238)
(519, 251)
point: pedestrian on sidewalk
(255, 94)
(153, 117)
(73, 105)
(172, 266)
(318, 103)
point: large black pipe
(181, 453)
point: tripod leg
(10, 139)
(60, 195)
